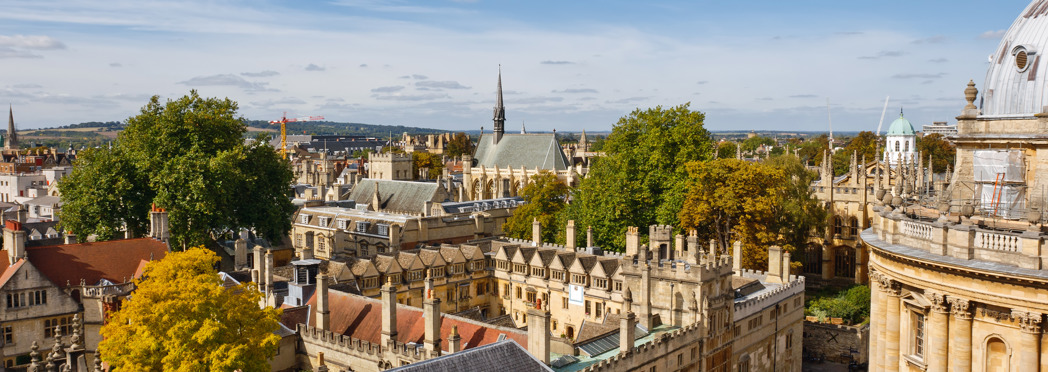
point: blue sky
(568, 65)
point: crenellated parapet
(747, 306)
(661, 347)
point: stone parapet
(654, 352)
(748, 306)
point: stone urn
(968, 210)
(1033, 215)
(897, 201)
(880, 194)
(886, 199)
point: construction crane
(283, 129)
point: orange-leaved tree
(181, 318)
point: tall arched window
(907, 146)
(896, 146)
(997, 355)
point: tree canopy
(425, 160)
(181, 318)
(640, 181)
(186, 156)
(459, 145)
(761, 204)
(943, 152)
(544, 199)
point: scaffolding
(1000, 182)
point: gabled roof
(608, 266)
(542, 257)
(452, 255)
(563, 260)
(114, 260)
(529, 151)
(361, 318)
(387, 264)
(505, 355)
(402, 196)
(431, 258)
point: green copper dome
(901, 127)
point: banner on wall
(576, 294)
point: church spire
(12, 137)
(500, 112)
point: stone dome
(1016, 80)
(902, 127)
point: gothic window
(907, 146)
(813, 259)
(844, 262)
(853, 227)
(896, 146)
(837, 225)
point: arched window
(844, 262)
(838, 229)
(854, 227)
(896, 146)
(813, 259)
(907, 146)
(996, 355)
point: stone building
(691, 310)
(961, 279)
(503, 163)
(388, 216)
(390, 166)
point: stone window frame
(916, 307)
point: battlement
(662, 346)
(710, 268)
(747, 306)
(389, 156)
(660, 232)
(357, 348)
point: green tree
(186, 156)
(459, 145)
(811, 150)
(640, 181)
(422, 159)
(726, 150)
(544, 199)
(943, 152)
(760, 204)
(181, 318)
(754, 142)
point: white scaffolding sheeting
(989, 165)
(1010, 201)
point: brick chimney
(538, 333)
(389, 313)
(431, 313)
(14, 241)
(158, 224)
(323, 312)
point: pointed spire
(11, 142)
(499, 116)
(522, 129)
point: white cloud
(992, 34)
(38, 42)
(226, 80)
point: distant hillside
(330, 127)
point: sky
(566, 65)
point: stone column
(877, 314)
(960, 335)
(937, 336)
(1030, 342)
(892, 323)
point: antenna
(879, 125)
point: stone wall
(836, 341)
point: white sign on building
(575, 294)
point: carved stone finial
(74, 340)
(969, 94)
(98, 361)
(34, 355)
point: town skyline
(762, 66)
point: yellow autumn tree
(181, 318)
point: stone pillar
(877, 314)
(454, 341)
(569, 235)
(389, 313)
(736, 257)
(323, 308)
(240, 254)
(589, 236)
(938, 338)
(538, 334)
(431, 313)
(1029, 349)
(645, 296)
(774, 264)
(960, 336)
(627, 332)
(891, 326)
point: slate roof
(114, 260)
(361, 318)
(505, 355)
(403, 196)
(521, 150)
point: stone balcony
(958, 241)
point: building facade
(961, 279)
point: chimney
(695, 252)
(632, 241)
(240, 254)
(713, 248)
(389, 313)
(271, 298)
(431, 313)
(158, 224)
(785, 267)
(376, 199)
(23, 213)
(536, 232)
(569, 235)
(321, 366)
(627, 332)
(14, 241)
(454, 341)
(323, 317)
(256, 268)
(645, 296)
(589, 236)
(69, 238)
(774, 264)
(679, 243)
(538, 333)
(736, 257)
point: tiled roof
(361, 317)
(609, 266)
(402, 196)
(546, 255)
(505, 355)
(521, 150)
(295, 315)
(9, 271)
(114, 260)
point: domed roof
(902, 127)
(1016, 80)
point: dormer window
(324, 221)
(362, 226)
(303, 218)
(383, 229)
(342, 223)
